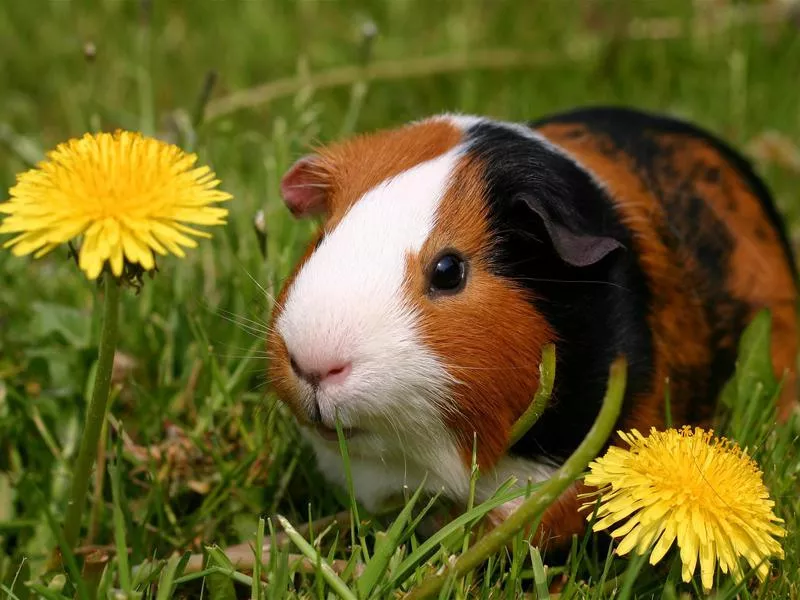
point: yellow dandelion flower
(125, 195)
(688, 487)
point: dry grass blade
(384, 71)
(490, 59)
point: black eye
(448, 274)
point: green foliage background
(191, 370)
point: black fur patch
(598, 311)
(629, 127)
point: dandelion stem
(95, 414)
(536, 504)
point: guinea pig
(452, 249)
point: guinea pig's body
(453, 249)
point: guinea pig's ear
(304, 187)
(575, 247)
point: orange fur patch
(760, 274)
(352, 167)
(279, 371)
(488, 335)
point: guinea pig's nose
(315, 374)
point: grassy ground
(202, 450)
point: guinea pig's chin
(373, 415)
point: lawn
(197, 455)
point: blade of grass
(18, 578)
(278, 564)
(41, 590)
(227, 573)
(257, 565)
(166, 582)
(355, 524)
(631, 573)
(331, 578)
(119, 522)
(383, 553)
(539, 576)
(220, 584)
(66, 551)
(419, 555)
(106, 579)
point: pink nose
(321, 373)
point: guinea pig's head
(403, 317)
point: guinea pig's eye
(448, 273)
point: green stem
(534, 506)
(95, 415)
(547, 375)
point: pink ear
(303, 187)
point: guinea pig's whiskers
(395, 427)
(440, 398)
(263, 290)
(255, 321)
(248, 352)
(226, 355)
(252, 326)
(576, 281)
(260, 387)
(554, 280)
(465, 368)
(446, 405)
(245, 324)
(273, 407)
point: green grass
(197, 453)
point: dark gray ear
(577, 249)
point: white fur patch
(347, 303)
(526, 472)
(462, 121)
(523, 470)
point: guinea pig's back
(708, 237)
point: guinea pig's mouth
(329, 433)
